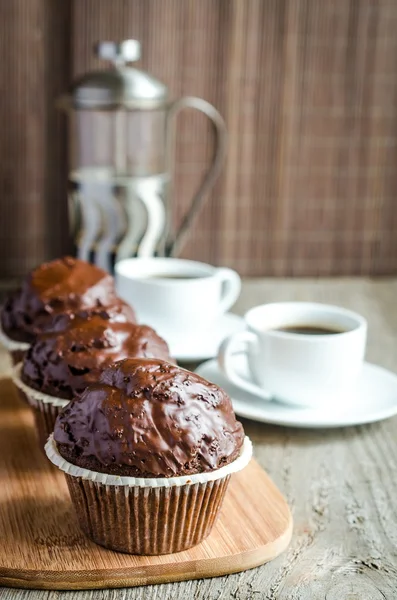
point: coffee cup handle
(231, 287)
(230, 346)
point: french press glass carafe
(121, 151)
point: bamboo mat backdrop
(309, 93)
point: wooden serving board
(42, 547)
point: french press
(122, 147)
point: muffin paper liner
(46, 408)
(17, 356)
(44, 417)
(16, 349)
(148, 482)
(147, 516)
(12, 345)
(35, 395)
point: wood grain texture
(307, 89)
(34, 70)
(43, 547)
(341, 484)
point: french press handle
(175, 245)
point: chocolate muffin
(117, 312)
(66, 285)
(59, 366)
(167, 437)
(148, 418)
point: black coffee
(309, 330)
(173, 276)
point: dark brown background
(309, 92)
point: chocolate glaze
(118, 312)
(63, 364)
(63, 285)
(148, 418)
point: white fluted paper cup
(141, 515)
(46, 408)
(16, 349)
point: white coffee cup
(175, 295)
(298, 368)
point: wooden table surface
(341, 484)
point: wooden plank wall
(309, 93)
(34, 69)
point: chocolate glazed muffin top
(148, 418)
(63, 285)
(117, 312)
(63, 364)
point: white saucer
(205, 344)
(376, 400)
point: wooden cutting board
(42, 546)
